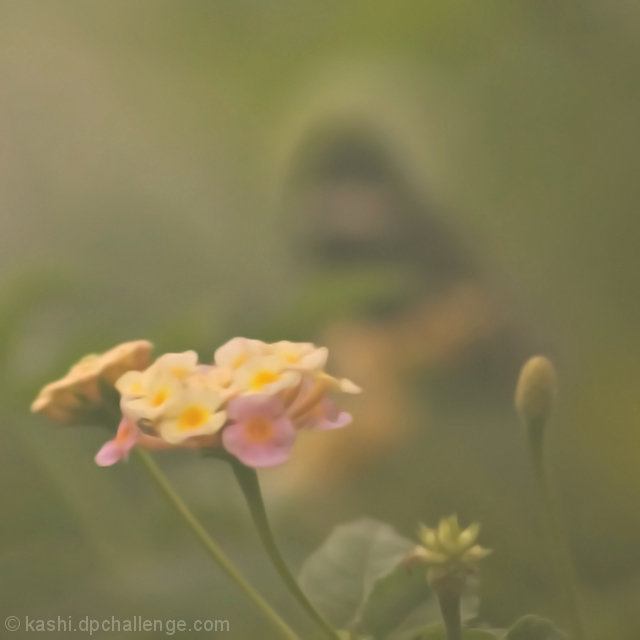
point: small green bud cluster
(449, 551)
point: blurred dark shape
(377, 249)
(354, 206)
(402, 303)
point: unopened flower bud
(536, 390)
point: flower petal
(266, 454)
(324, 416)
(260, 435)
(237, 351)
(118, 449)
(243, 407)
(110, 453)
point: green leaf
(340, 576)
(438, 632)
(532, 627)
(393, 597)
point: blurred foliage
(435, 190)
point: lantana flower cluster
(252, 400)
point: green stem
(212, 548)
(450, 610)
(558, 548)
(248, 480)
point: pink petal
(118, 449)
(243, 407)
(270, 453)
(110, 453)
(325, 416)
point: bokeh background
(435, 190)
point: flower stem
(210, 545)
(248, 480)
(558, 549)
(450, 610)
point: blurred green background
(436, 190)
